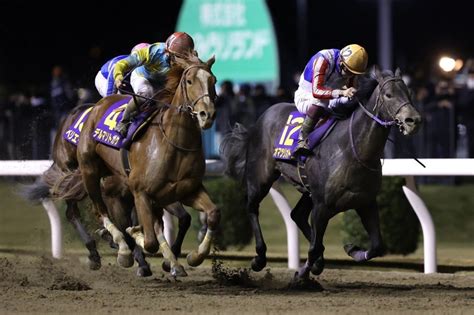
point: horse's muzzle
(205, 119)
(408, 122)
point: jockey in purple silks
(313, 96)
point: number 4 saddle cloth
(287, 139)
(104, 130)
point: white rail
(391, 167)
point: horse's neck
(369, 137)
(181, 127)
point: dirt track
(37, 284)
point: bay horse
(343, 173)
(167, 163)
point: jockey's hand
(118, 81)
(349, 92)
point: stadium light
(447, 64)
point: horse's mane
(366, 85)
(173, 77)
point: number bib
(287, 140)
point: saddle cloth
(104, 131)
(287, 139)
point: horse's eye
(189, 82)
(388, 95)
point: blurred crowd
(29, 118)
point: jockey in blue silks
(150, 64)
(104, 80)
(313, 96)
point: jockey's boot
(128, 114)
(302, 147)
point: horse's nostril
(203, 115)
(409, 121)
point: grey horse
(343, 173)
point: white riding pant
(101, 84)
(141, 86)
(305, 99)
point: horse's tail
(56, 184)
(233, 151)
(36, 191)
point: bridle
(189, 104)
(187, 107)
(378, 104)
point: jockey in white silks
(313, 96)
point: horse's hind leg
(144, 269)
(370, 219)
(73, 215)
(91, 177)
(201, 202)
(119, 210)
(184, 222)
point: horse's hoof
(194, 259)
(178, 271)
(258, 263)
(166, 266)
(318, 266)
(304, 283)
(93, 264)
(144, 271)
(125, 260)
(349, 248)
(357, 253)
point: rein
(374, 117)
(160, 126)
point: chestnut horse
(167, 163)
(115, 193)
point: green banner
(238, 32)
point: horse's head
(196, 89)
(393, 101)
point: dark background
(82, 35)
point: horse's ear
(398, 72)
(211, 61)
(181, 62)
(376, 73)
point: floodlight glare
(447, 64)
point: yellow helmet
(355, 58)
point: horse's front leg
(201, 202)
(319, 222)
(370, 219)
(300, 215)
(176, 269)
(184, 222)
